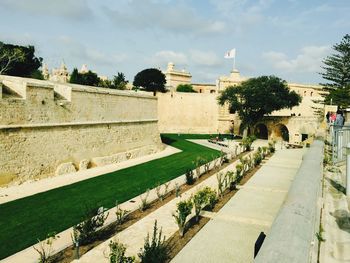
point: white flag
(230, 54)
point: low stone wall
(49, 128)
(292, 237)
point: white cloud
(161, 58)
(88, 55)
(71, 9)
(309, 59)
(205, 58)
(165, 16)
(242, 13)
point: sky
(286, 38)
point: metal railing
(340, 137)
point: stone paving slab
(230, 236)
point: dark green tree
(119, 81)
(19, 61)
(257, 97)
(150, 80)
(89, 78)
(185, 88)
(337, 73)
(75, 77)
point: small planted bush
(86, 231)
(45, 248)
(199, 201)
(257, 158)
(162, 194)
(120, 213)
(144, 201)
(189, 177)
(271, 147)
(154, 250)
(230, 179)
(183, 210)
(117, 253)
(211, 197)
(247, 142)
(239, 174)
(198, 163)
(221, 183)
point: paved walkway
(231, 234)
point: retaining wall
(292, 237)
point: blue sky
(286, 38)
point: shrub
(85, 232)
(155, 250)
(239, 169)
(177, 190)
(184, 209)
(45, 248)
(189, 177)
(230, 179)
(199, 201)
(185, 88)
(257, 158)
(161, 195)
(144, 202)
(271, 147)
(221, 188)
(117, 253)
(121, 214)
(211, 197)
(248, 141)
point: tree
(257, 97)
(119, 81)
(337, 73)
(89, 78)
(150, 80)
(19, 61)
(185, 88)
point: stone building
(200, 112)
(175, 77)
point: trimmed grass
(25, 220)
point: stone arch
(281, 131)
(261, 131)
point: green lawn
(25, 220)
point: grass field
(24, 221)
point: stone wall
(47, 127)
(180, 112)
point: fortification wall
(48, 128)
(180, 112)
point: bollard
(348, 170)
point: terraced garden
(25, 220)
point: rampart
(181, 112)
(48, 128)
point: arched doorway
(261, 131)
(282, 132)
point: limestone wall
(180, 112)
(47, 127)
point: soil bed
(176, 243)
(68, 254)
